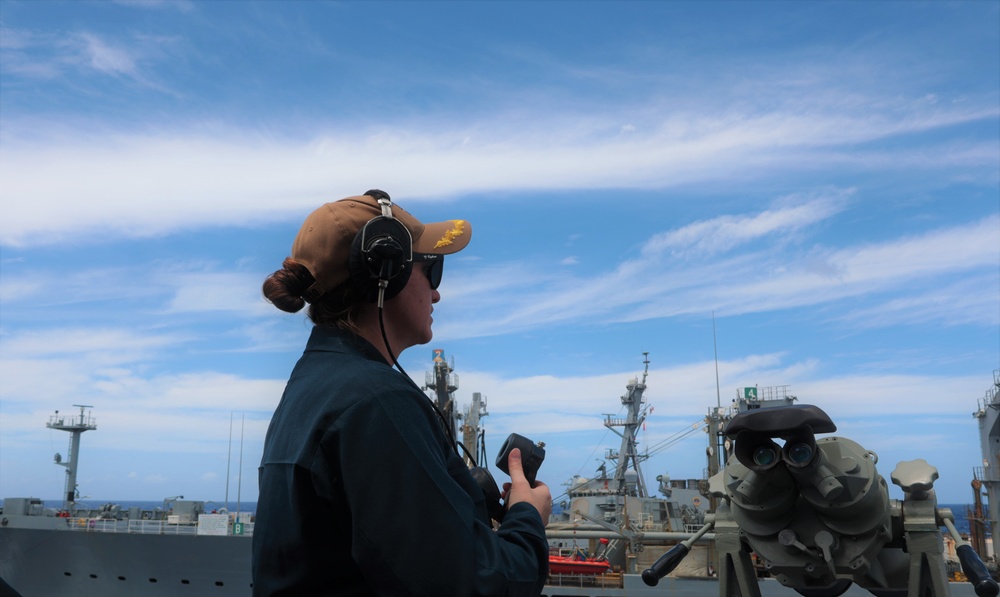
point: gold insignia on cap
(457, 230)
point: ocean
(959, 510)
(151, 505)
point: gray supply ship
(179, 549)
(183, 550)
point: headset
(381, 254)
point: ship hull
(707, 587)
(46, 562)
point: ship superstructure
(618, 505)
(747, 399)
(987, 477)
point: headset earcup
(360, 277)
(397, 284)
(381, 239)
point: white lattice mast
(75, 426)
(629, 453)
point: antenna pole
(239, 485)
(715, 347)
(229, 458)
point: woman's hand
(519, 490)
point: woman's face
(408, 315)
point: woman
(361, 489)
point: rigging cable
(674, 439)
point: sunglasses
(434, 264)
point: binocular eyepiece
(760, 453)
(755, 431)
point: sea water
(959, 510)
(151, 505)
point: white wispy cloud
(64, 187)
(973, 300)
(179, 5)
(74, 57)
(101, 56)
(161, 287)
(218, 291)
(109, 345)
(126, 397)
(722, 234)
(940, 269)
(771, 276)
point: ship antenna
(715, 346)
(239, 484)
(229, 459)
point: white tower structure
(75, 426)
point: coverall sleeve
(417, 517)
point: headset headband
(386, 204)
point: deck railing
(141, 527)
(606, 580)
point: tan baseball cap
(323, 244)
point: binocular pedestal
(737, 575)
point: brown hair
(337, 308)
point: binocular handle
(976, 571)
(665, 564)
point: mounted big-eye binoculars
(816, 513)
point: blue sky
(822, 177)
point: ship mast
(472, 432)
(443, 381)
(75, 426)
(628, 453)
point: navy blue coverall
(361, 492)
